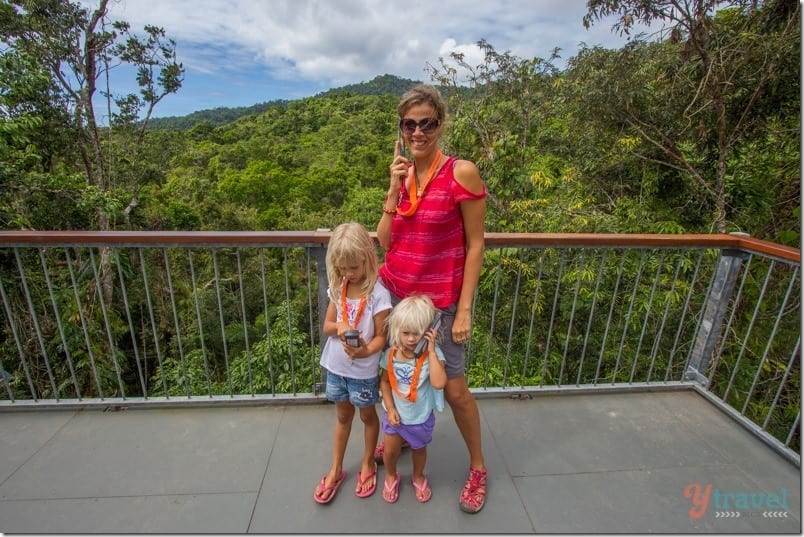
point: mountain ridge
(379, 85)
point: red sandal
(473, 495)
(380, 450)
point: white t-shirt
(333, 357)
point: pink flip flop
(319, 496)
(420, 490)
(362, 481)
(392, 491)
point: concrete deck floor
(582, 463)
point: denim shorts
(359, 392)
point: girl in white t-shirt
(357, 301)
(412, 388)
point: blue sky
(244, 52)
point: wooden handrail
(319, 238)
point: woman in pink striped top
(432, 229)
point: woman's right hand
(399, 171)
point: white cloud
(241, 52)
(352, 40)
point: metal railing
(167, 318)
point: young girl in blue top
(412, 388)
(357, 301)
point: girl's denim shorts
(359, 392)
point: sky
(244, 52)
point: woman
(432, 229)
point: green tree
(710, 86)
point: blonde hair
(423, 93)
(351, 243)
(412, 314)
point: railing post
(320, 255)
(717, 303)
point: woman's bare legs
(467, 418)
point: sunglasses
(427, 125)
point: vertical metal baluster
(513, 318)
(245, 322)
(220, 318)
(313, 357)
(591, 316)
(572, 316)
(60, 325)
(187, 386)
(290, 325)
(200, 323)
(83, 322)
(267, 321)
(556, 294)
(761, 297)
(13, 325)
(533, 309)
(734, 306)
(132, 331)
(149, 303)
(35, 321)
(684, 310)
(611, 314)
(493, 319)
(109, 336)
(659, 269)
(628, 315)
(770, 339)
(793, 429)
(669, 302)
(783, 382)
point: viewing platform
(168, 382)
(574, 463)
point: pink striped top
(428, 248)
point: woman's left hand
(462, 327)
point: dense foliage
(695, 132)
(653, 137)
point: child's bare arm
(376, 344)
(333, 327)
(388, 398)
(438, 372)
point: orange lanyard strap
(414, 383)
(414, 187)
(360, 308)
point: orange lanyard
(360, 308)
(413, 191)
(414, 383)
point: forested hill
(215, 116)
(380, 85)
(676, 136)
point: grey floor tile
(144, 452)
(22, 434)
(191, 514)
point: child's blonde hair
(412, 314)
(351, 243)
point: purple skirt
(418, 436)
